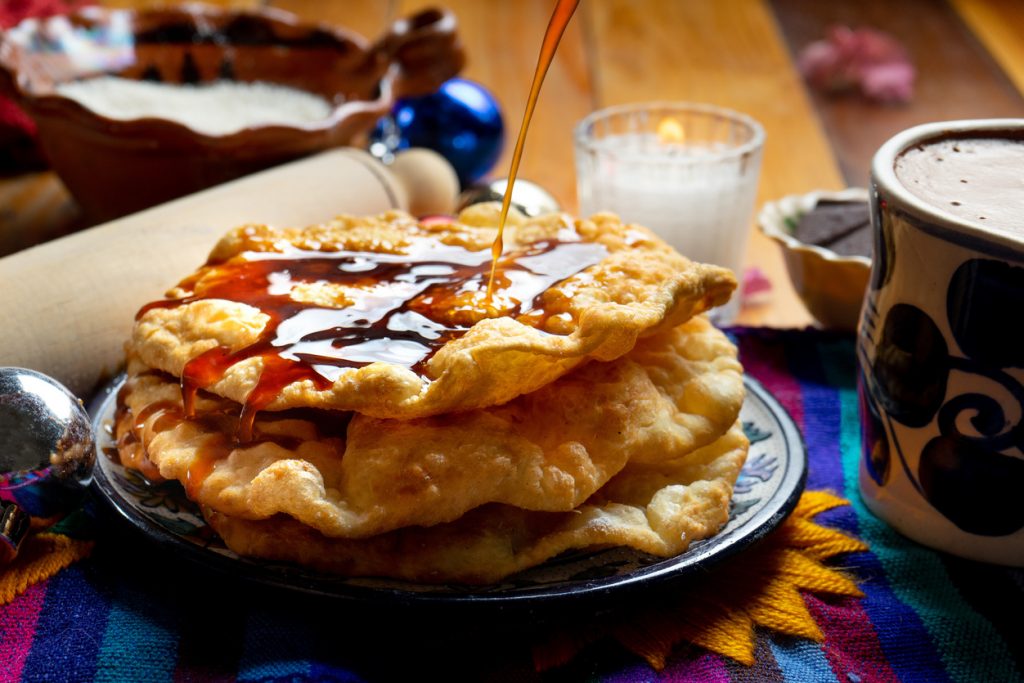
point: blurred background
(829, 81)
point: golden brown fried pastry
(696, 370)
(353, 476)
(658, 509)
(272, 300)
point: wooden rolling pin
(67, 306)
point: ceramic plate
(766, 492)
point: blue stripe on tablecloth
(801, 660)
(909, 585)
(828, 438)
(278, 644)
(319, 671)
(68, 631)
(140, 642)
(821, 425)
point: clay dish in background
(114, 167)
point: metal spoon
(46, 439)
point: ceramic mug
(941, 354)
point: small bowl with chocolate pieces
(826, 242)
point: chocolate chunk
(842, 226)
(857, 243)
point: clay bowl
(832, 286)
(114, 167)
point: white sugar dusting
(218, 108)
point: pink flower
(864, 59)
(754, 282)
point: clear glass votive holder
(687, 171)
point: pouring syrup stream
(564, 10)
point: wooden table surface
(734, 53)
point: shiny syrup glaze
(404, 308)
(410, 306)
(130, 431)
(160, 416)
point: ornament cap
(14, 526)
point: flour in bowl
(218, 108)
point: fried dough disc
(695, 369)
(658, 509)
(354, 476)
(640, 287)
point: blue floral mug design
(941, 354)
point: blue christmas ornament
(461, 121)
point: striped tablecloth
(129, 613)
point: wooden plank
(728, 53)
(502, 41)
(957, 78)
(999, 25)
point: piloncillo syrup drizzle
(564, 10)
(403, 308)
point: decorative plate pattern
(766, 492)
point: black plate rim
(657, 574)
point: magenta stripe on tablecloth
(706, 667)
(18, 625)
(851, 642)
(767, 364)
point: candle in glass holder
(688, 172)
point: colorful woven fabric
(131, 613)
(720, 610)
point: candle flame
(670, 130)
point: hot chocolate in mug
(941, 339)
